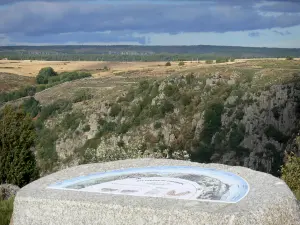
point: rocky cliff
(238, 116)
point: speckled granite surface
(269, 201)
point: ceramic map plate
(177, 182)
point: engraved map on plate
(177, 182)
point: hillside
(244, 114)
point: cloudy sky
(269, 23)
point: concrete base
(268, 202)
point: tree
(17, 136)
(45, 74)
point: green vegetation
(168, 64)
(47, 78)
(115, 110)
(82, 95)
(209, 61)
(181, 63)
(72, 120)
(212, 123)
(31, 106)
(44, 75)
(289, 58)
(6, 210)
(272, 132)
(291, 174)
(17, 136)
(222, 60)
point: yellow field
(31, 68)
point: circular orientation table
(156, 191)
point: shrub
(115, 110)
(46, 149)
(17, 137)
(168, 64)
(82, 95)
(212, 121)
(6, 210)
(185, 99)
(275, 134)
(170, 90)
(86, 128)
(72, 120)
(181, 63)
(58, 106)
(123, 128)
(70, 76)
(31, 106)
(221, 60)
(289, 58)
(236, 136)
(209, 61)
(291, 174)
(45, 74)
(157, 125)
(166, 107)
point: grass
(6, 209)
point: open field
(31, 67)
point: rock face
(156, 191)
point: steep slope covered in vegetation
(239, 115)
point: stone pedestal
(156, 191)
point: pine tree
(17, 136)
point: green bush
(166, 107)
(181, 63)
(185, 99)
(236, 136)
(86, 128)
(212, 121)
(82, 95)
(31, 106)
(17, 137)
(272, 132)
(289, 58)
(70, 76)
(115, 110)
(222, 60)
(209, 61)
(168, 64)
(58, 106)
(171, 90)
(157, 125)
(46, 149)
(6, 210)
(72, 120)
(44, 75)
(291, 174)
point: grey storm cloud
(284, 6)
(37, 18)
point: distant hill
(141, 53)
